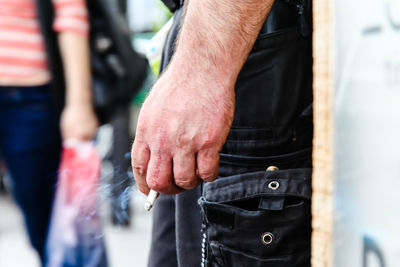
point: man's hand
(181, 129)
(78, 121)
(185, 120)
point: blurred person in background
(32, 125)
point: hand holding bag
(76, 235)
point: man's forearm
(217, 36)
(185, 120)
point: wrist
(79, 104)
(79, 97)
(218, 74)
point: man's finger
(184, 170)
(140, 159)
(207, 164)
(159, 174)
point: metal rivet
(273, 185)
(267, 238)
(272, 168)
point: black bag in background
(117, 70)
(172, 4)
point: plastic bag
(75, 235)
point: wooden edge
(322, 209)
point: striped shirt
(22, 50)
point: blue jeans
(30, 144)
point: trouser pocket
(258, 219)
(231, 164)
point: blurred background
(126, 224)
(356, 163)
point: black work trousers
(258, 211)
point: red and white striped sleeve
(71, 15)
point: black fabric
(176, 235)
(272, 127)
(117, 70)
(240, 243)
(45, 13)
(172, 4)
(169, 46)
(163, 239)
(188, 227)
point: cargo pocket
(230, 164)
(258, 219)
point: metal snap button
(267, 238)
(273, 185)
(272, 168)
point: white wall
(367, 132)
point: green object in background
(140, 97)
(150, 45)
(145, 90)
(155, 47)
(156, 26)
(155, 66)
(140, 42)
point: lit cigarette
(151, 198)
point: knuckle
(140, 129)
(180, 175)
(208, 157)
(157, 185)
(184, 142)
(207, 175)
(139, 170)
(138, 145)
(210, 139)
(186, 184)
